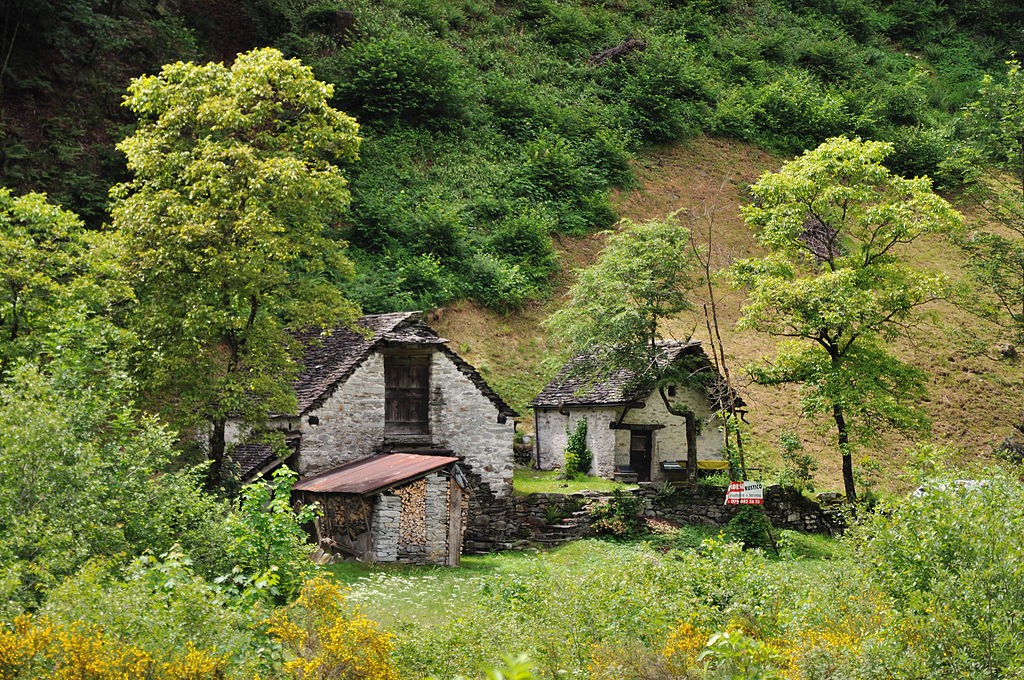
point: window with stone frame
(406, 394)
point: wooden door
(640, 454)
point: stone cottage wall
(387, 527)
(351, 421)
(435, 517)
(464, 420)
(611, 447)
(669, 443)
(552, 435)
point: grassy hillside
(972, 398)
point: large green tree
(835, 287)
(227, 226)
(641, 278)
(994, 124)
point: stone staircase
(571, 527)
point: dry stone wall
(698, 504)
(542, 516)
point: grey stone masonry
(466, 421)
(698, 504)
(387, 526)
(436, 518)
(349, 424)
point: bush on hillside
(795, 112)
(401, 78)
(663, 92)
(552, 176)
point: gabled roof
(255, 457)
(330, 360)
(575, 386)
(375, 473)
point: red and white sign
(745, 493)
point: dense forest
(489, 127)
(184, 184)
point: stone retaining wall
(539, 517)
(697, 504)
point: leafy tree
(617, 306)
(45, 266)
(79, 477)
(995, 126)
(236, 180)
(835, 288)
(268, 546)
(641, 278)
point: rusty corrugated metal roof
(374, 473)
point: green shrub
(402, 77)
(159, 604)
(578, 456)
(552, 176)
(949, 565)
(663, 90)
(523, 238)
(751, 527)
(498, 284)
(268, 546)
(517, 107)
(619, 516)
(921, 150)
(794, 112)
(798, 465)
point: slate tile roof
(252, 457)
(574, 386)
(330, 359)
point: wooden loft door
(407, 394)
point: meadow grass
(400, 596)
(527, 481)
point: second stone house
(631, 433)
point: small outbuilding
(395, 507)
(631, 432)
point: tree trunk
(218, 446)
(691, 446)
(844, 449)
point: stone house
(631, 433)
(392, 385)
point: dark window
(407, 394)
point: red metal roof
(371, 474)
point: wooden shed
(394, 507)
